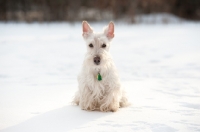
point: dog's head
(98, 44)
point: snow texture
(159, 66)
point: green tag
(99, 77)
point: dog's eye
(91, 45)
(104, 45)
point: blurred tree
(3, 10)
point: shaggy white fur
(93, 94)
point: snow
(158, 18)
(159, 67)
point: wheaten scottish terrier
(98, 82)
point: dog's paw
(108, 109)
(114, 110)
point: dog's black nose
(97, 60)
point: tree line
(94, 10)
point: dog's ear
(109, 30)
(86, 29)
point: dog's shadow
(59, 120)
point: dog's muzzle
(97, 60)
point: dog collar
(99, 78)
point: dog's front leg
(87, 101)
(111, 101)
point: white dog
(98, 82)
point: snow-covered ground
(158, 18)
(159, 67)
